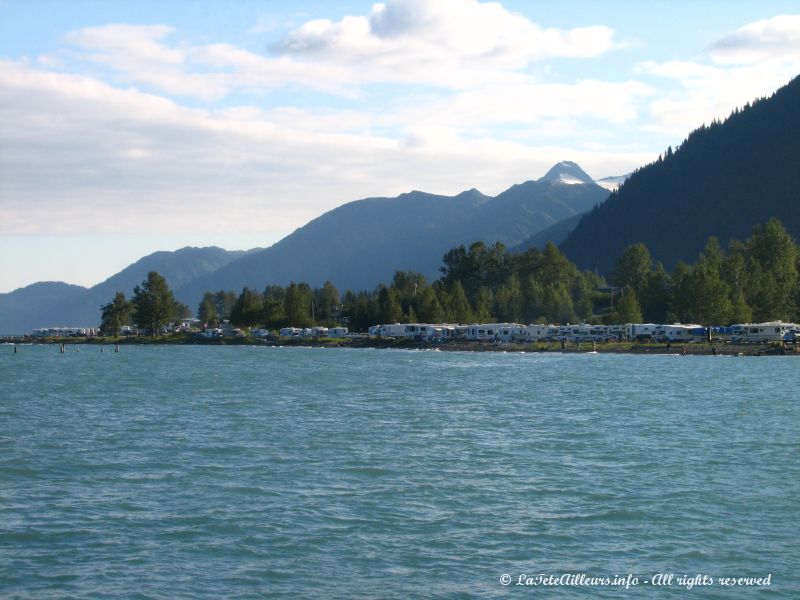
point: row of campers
(583, 332)
(314, 332)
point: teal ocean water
(245, 472)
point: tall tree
(154, 304)
(709, 294)
(389, 309)
(297, 305)
(327, 303)
(633, 267)
(508, 301)
(249, 309)
(429, 307)
(115, 314)
(458, 307)
(207, 311)
(628, 308)
(773, 264)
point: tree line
(754, 280)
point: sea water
(244, 472)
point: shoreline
(691, 349)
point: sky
(129, 127)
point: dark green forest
(752, 280)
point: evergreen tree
(249, 309)
(774, 276)
(327, 303)
(224, 303)
(389, 309)
(656, 296)
(207, 311)
(633, 267)
(297, 305)
(628, 308)
(709, 295)
(115, 314)
(154, 303)
(482, 310)
(273, 300)
(458, 304)
(508, 301)
(429, 309)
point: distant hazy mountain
(363, 243)
(32, 306)
(721, 181)
(62, 305)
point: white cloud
(749, 63)
(89, 156)
(764, 40)
(448, 42)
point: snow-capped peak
(567, 173)
(569, 179)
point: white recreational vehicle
(399, 330)
(315, 332)
(679, 332)
(504, 332)
(773, 331)
(642, 331)
(534, 333)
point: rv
(315, 332)
(684, 333)
(504, 332)
(643, 331)
(534, 333)
(773, 331)
(400, 330)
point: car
(791, 336)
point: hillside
(556, 233)
(32, 306)
(363, 243)
(721, 181)
(62, 305)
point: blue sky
(130, 127)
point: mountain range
(357, 246)
(362, 243)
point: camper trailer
(684, 333)
(773, 331)
(504, 332)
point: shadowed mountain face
(56, 304)
(555, 233)
(721, 181)
(362, 243)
